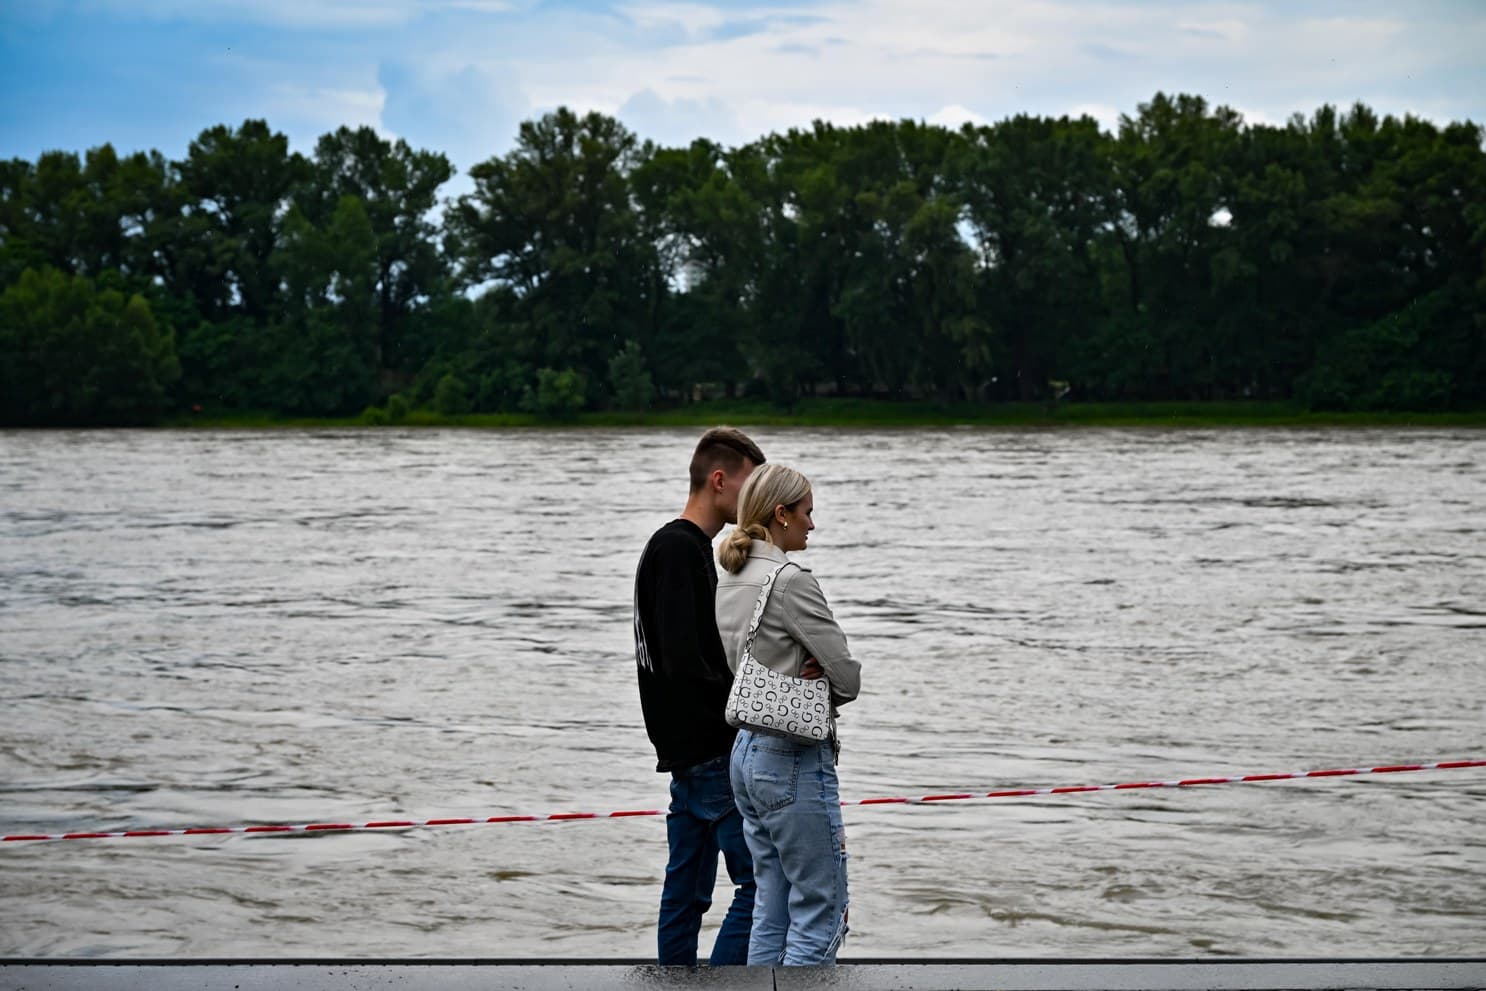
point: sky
(459, 76)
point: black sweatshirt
(684, 674)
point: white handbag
(764, 699)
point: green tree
(629, 379)
(1172, 169)
(239, 182)
(1339, 258)
(74, 355)
(707, 235)
(1382, 366)
(503, 388)
(907, 291)
(324, 342)
(1035, 193)
(17, 250)
(235, 186)
(552, 223)
(559, 394)
(398, 190)
(452, 397)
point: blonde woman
(786, 789)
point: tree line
(1338, 260)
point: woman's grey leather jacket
(797, 623)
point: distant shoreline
(869, 413)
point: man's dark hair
(725, 448)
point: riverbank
(881, 413)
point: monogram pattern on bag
(765, 699)
(769, 700)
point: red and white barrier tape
(341, 827)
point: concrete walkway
(878, 975)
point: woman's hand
(811, 669)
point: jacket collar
(765, 551)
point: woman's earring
(786, 524)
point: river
(216, 628)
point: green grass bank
(851, 412)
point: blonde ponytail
(732, 553)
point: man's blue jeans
(791, 805)
(701, 822)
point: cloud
(1230, 30)
(295, 13)
(675, 122)
(1108, 53)
(955, 116)
(467, 112)
(851, 62)
(316, 110)
(460, 75)
(1106, 114)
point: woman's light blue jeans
(791, 804)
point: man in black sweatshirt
(684, 682)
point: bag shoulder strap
(763, 600)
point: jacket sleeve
(810, 621)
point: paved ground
(1007, 975)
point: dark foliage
(1338, 260)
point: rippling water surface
(220, 628)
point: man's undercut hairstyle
(725, 448)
